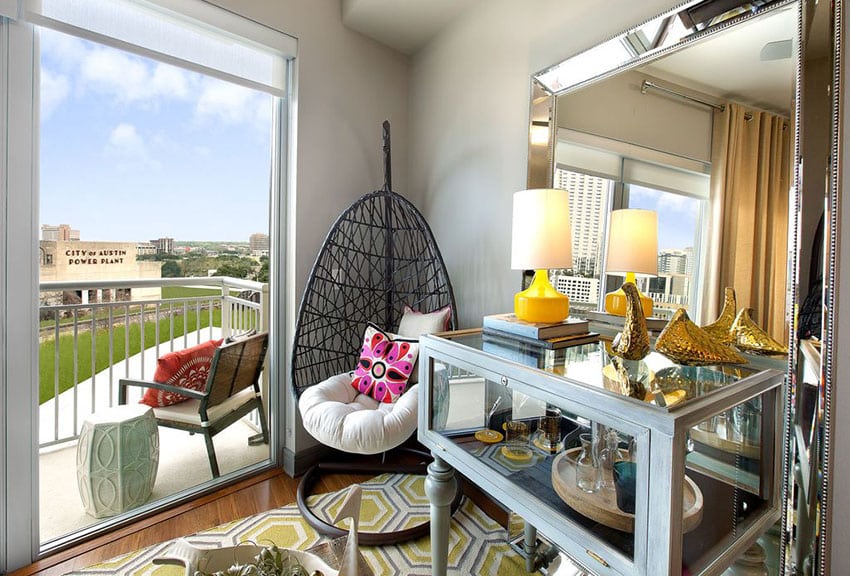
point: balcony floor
(183, 463)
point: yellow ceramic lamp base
(615, 302)
(540, 302)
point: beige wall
(616, 109)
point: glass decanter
(609, 454)
(587, 464)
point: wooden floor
(260, 493)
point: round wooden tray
(602, 504)
(715, 440)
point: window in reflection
(589, 205)
(680, 229)
(601, 180)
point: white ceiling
(406, 25)
(730, 66)
(726, 66)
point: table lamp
(632, 249)
(541, 239)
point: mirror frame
(541, 152)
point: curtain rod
(649, 84)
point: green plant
(271, 561)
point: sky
(677, 215)
(133, 149)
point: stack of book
(570, 332)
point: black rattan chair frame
(378, 256)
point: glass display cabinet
(626, 467)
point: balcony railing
(95, 332)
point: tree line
(199, 265)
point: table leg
(440, 486)
(529, 546)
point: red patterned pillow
(385, 364)
(187, 368)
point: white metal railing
(95, 332)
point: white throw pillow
(413, 324)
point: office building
(62, 232)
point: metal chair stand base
(368, 538)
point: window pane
(678, 248)
(589, 198)
(147, 171)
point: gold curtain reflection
(748, 226)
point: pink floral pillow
(385, 364)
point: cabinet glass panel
(584, 470)
(730, 459)
(656, 378)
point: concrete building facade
(75, 261)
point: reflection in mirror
(666, 136)
(649, 119)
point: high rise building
(62, 233)
(259, 243)
(578, 289)
(588, 199)
(691, 261)
(164, 245)
(673, 262)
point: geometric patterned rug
(391, 501)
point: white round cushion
(337, 415)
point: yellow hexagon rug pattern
(477, 543)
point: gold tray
(715, 440)
(602, 504)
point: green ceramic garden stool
(117, 459)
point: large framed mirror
(718, 115)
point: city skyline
(133, 149)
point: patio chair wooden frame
(236, 366)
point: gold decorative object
(721, 329)
(630, 378)
(749, 337)
(633, 342)
(686, 343)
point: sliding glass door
(153, 199)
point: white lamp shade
(541, 236)
(633, 242)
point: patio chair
(378, 258)
(232, 391)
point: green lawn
(102, 360)
(170, 292)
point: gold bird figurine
(721, 329)
(633, 342)
(686, 343)
(749, 337)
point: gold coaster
(488, 436)
(546, 447)
(512, 454)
